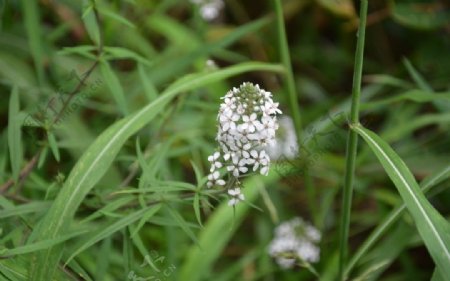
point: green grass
(110, 112)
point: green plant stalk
(352, 143)
(292, 96)
(286, 61)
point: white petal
(264, 170)
(250, 161)
(232, 202)
(232, 192)
(220, 182)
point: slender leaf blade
(113, 83)
(432, 227)
(112, 228)
(14, 134)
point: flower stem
(292, 96)
(352, 142)
(286, 61)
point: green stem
(352, 143)
(286, 61)
(292, 95)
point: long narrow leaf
(114, 86)
(432, 227)
(14, 134)
(393, 216)
(110, 229)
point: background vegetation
(108, 114)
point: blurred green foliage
(111, 59)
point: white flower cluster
(209, 9)
(295, 238)
(247, 124)
(286, 141)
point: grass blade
(53, 146)
(432, 227)
(395, 214)
(182, 224)
(44, 244)
(110, 229)
(15, 134)
(32, 25)
(114, 86)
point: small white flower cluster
(247, 124)
(286, 141)
(209, 9)
(295, 238)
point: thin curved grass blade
(432, 227)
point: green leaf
(114, 205)
(97, 159)
(340, 7)
(420, 81)
(15, 134)
(437, 276)
(173, 68)
(83, 50)
(110, 229)
(416, 76)
(91, 24)
(53, 145)
(149, 88)
(32, 207)
(147, 215)
(432, 227)
(182, 223)
(113, 83)
(116, 17)
(35, 36)
(122, 53)
(394, 215)
(44, 244)
(418, 96)
(197, 208)
(419, 16)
